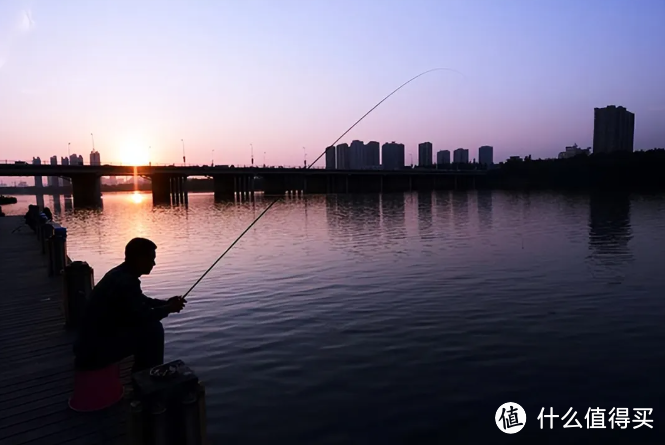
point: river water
(405, 318)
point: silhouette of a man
(119, 320)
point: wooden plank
(36, 379)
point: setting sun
(133, 155)
(137, 197)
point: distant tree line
(621, 170)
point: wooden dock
(36, 375)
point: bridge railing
(164, 164)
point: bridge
(169, 183)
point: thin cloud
(26, 23)
(23, 25)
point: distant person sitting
(31, 216)
(119, 320)
(47, 212)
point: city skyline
(272, 91)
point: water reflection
(609, 235)
(484, 203)
(460, 201)
(393, 216)
(425, 215)
(443, 206)
(353, 221)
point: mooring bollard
(173, 407)
(41, 221)
(136, 423)
(58, 251)
(78, 282)
(47, 233)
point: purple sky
(288, 74)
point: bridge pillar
(224, 186)
(87, 190)
(274, 185)
(316, 184)
(161, 188)
(175, 189)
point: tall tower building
(38, 179)
(331, 163)
(372, 155)
(94, 158)
(356, 158)
(486, 155)
(443, 157)
(425, 154)
(343, 157)
(613, 129)
(53, 181)
(392, 156)
(461, 156)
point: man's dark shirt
(117, 303)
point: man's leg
(149, 349)
(102, 352)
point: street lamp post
(93, 141)
(150, 155)
(184, 161)
(304, 157)
(264, 159)
(251, 146)
(212, 159)
(68, 151)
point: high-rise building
(330, 158)
(461, 156)
(372, 157)
(53, 181)
(80, 160)
(94, 158)
(613, 129)
(486, 155)
(443, 157)
(343, 157)
(64, 161)
(425, 154)
(38, 179)
(392, 156)
(356, 155)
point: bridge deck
(203, 170)
(36, 377)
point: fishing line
(310, 166)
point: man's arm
(136, 306)
(153, 302)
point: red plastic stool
(96, 390)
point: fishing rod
(310, 166)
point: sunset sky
(286, 74)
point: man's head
(140, 255)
